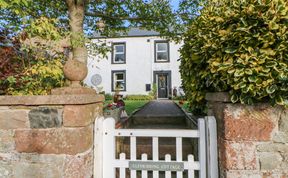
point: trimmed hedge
(239, 46)
(138, 97)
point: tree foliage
(48, 21)
(118, 15)
(239, 46)
(28, 70)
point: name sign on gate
(156, 166)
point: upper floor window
(161, 51)
(118, 53)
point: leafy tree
(39, 18)
(84, 15)
(238, 46)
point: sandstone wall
(48, 136)
(252, 140)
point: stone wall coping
(218, 97)
(50, 100)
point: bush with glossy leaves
(239, 46)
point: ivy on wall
(239, 46)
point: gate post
(212, 155)
(202, 147)
(108, 147)
(98, 148)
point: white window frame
(161, 51)
(114, 80)
(114, 53)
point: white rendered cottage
(137, 60)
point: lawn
(131, 105)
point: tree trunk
(76, 9)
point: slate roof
(141, 32)
(133, 32)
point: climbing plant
(239, 46)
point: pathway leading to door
(162, 114)
(159, 114)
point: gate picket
(155, 154)
(191, 172)
(168, 159)
(179, 154)
(133, 154)
(144, 173)
(122, 169)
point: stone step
(154, 120)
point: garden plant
(240, 47)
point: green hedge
(108, 97)
(138, 97)
(239, 46)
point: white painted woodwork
(133, 154)
(212, 155)
(109, 148)
(191, 170)
(122, 170)
(155, 154)
(144, 173)
(110, 163)
(156, 132)
(202, 147)
(179, 154)
(168, 159)
(98, 145)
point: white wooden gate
(106, 163)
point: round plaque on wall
(96, 79)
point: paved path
(160, 108)
(161, 114)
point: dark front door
(162, 86)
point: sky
(175, 4)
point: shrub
(179, 98)
(31, 62)
(139, 97)
(108, 97)
(153, 92)
(240, 46)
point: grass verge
(132, 105)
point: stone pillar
(48, 136)
(252, 140)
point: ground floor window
(119, 80)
